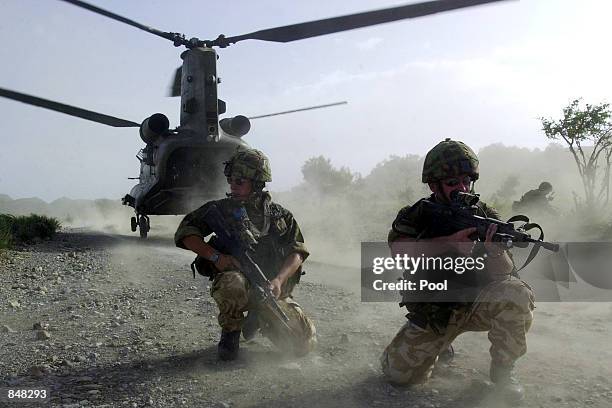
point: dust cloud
(337, 211)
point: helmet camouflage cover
(251, 164)
(447, 159)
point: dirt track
(129, 326)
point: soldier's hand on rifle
(493, 248)
(227, 263)
(276, 287)
(460, 239)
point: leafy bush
(26, 229)
(6, 222)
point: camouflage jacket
(274, 227)
(417, 225)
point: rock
(37, 371)
(294, 367)
(40, 326)
(14, 304)
(6, 329)
(42, 335)
(90, 387)
(479, 385)
(344, 339)
(14, 380)
(67, 363)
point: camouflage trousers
(503, 308)
(231, 292)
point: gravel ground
(112, 321)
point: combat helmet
(447, 159)
(251, 164)
(545, 187)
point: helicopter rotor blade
(67, 109)
(177, 38)
(349, 22)
(328, 105)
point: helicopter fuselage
(180, 174)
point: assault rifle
(461, 214)
(236, 239)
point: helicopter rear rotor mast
(199, 106)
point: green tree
(319, 173)
(587, 131)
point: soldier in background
(279, 252)
(501, 304)
(537, 200)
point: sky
(483, 75)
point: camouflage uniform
(503, 307)
(536, 200)
(278, 236)
(502, 304)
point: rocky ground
(112, 321)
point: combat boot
(507, 383)
(229, 345)
(447, 355)
(251, 325)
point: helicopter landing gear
(143, 224)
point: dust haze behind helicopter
(483, 75)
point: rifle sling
(536, 246)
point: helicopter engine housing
(237, 126)
(154, 127)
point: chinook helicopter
(180, 168)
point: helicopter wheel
(144, 225)
(134, 224)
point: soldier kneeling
(495, 300)
(279, 252)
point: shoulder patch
(278, 211)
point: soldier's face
(241, 188)
(462, 183)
